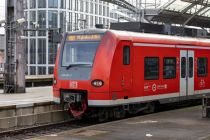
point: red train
(111, 72)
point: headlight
(97, 83)
(54, 81)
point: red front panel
(121, 74)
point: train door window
(151, 68)
(190, 67)
(169, 67)
(126, 55)
(202, 67)
(183, 67)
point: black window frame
(202, 75)
(166, 65)
(146, 69)
(190, 67)
(183, 67)
(126, 55)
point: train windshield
(79, 53)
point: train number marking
(202, 83)
(73, 84)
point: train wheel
(150, 108)
(119, 113)
(103, 115)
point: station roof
(182, 12)
(185, 12)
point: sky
(2, 13)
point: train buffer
(206, 106)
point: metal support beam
(204, 12)
(201, 9)
(15, 50)
(200, 2)
(20, 50)
(188, 8)
(166, 5)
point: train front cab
(82, 70)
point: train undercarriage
(76, 102)
(77, 105)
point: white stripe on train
(131, 100)
(169, 46)
(140, 99)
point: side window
(202, 66)
(190, 67)
(169, 67)
(151, 68)
(126, 55)
(183, 67)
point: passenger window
(169, 67)
(126, 55)
(202, 67)
(190, 67)
(183, 67)
(151, 68)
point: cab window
(126, 55)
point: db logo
(73, 84)
(154, 87)
(202, 83)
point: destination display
(93, 37)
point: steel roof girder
(167, 5)
(192, 16)
(188, 8)
(200, 2)
(204, 12)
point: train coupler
(77, 103)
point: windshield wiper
(78, 64)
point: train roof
(149, 37)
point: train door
(126, 69)
(186, 73)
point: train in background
(111, 73)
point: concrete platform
(35, 107)
(182, 124)
(32, 95)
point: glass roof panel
(186, 6)
(178, 6)
(194, 9)
(181, 5)
(205, 12)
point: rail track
(30, 132)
